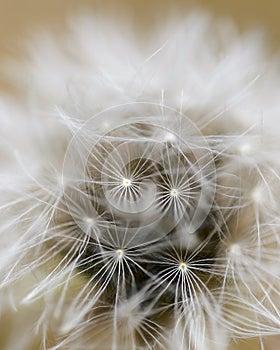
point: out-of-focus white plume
(140, 189)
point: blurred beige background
(18, 18)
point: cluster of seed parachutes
(147, 209)
(139, 194)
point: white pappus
(140, 190)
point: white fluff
(140, 189)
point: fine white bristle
(140, 190)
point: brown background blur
(18, 18)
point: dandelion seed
(245, 149)
(174, 193)
(126, 182)
(120, 253)
(183, 267)
(257, 195)
(89, 221)
(235, 249)
(169, 137)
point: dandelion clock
(140, 190)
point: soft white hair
(140, 189)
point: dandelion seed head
(170, 137)
(89, 221)
(235, 249)
(174, 193)
(126, 182)
(183, 266)
(119, 253)
(257, 194)
(106, 125)
(245, 149)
